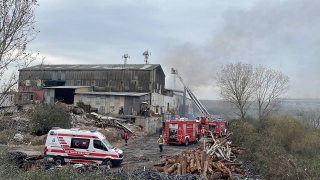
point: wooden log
(179, 170)
(172, 168)
(159, 169)
(216, 175)
(227, 171)
(192, 165)
(184, 164)
(165, 169)
(203, 158)
(171, 161)
(239, 171)
(217, 165)
(160, 164)
(233, 164)
(188, 158)
(198, 163)
(205, 169)
(210, 168)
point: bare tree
(17, 29)
(270, 85)
(311, 118)
(236, 82)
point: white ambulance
(80, 146)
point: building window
(134, 75)
(112, 83)
(28, 83)
(63, 75)
(80, 143)
(54, 75)
(26, 89)
(31, 97)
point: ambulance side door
(99, 149)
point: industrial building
(107, 87)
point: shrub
(285, 149)
(287, 130)
(44, 117)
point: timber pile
(215, 159)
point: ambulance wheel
(187, 142)
(108, 163)
(58, 160)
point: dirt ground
(141, 152)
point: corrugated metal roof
(91, 67)
(114, 93)
(65, 87)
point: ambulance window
(80, 143)
(98, 145)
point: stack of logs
(215, 159)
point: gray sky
(196, 38)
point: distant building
(107, 87)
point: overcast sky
(196, 38)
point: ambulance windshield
(106, 142)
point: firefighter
(160, 142)
(203, 131)
(126, 136)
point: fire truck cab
(217, 126)
(80, 146)
(182, 131)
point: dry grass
(284, 150)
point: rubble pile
(215, 159)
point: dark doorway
(64, 95)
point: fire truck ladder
(201, 108)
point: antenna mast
(146, 55)
(125, 57)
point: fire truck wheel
(187, 142)
(108, 163)
(58, 160)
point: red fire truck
(217, 126)
(181, 131)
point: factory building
(107, 87)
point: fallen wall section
(150, 125)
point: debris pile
(215, 159)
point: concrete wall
(7, 99)
(150, 125)
(49, 96)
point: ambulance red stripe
(83, 161)
(73, 135)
